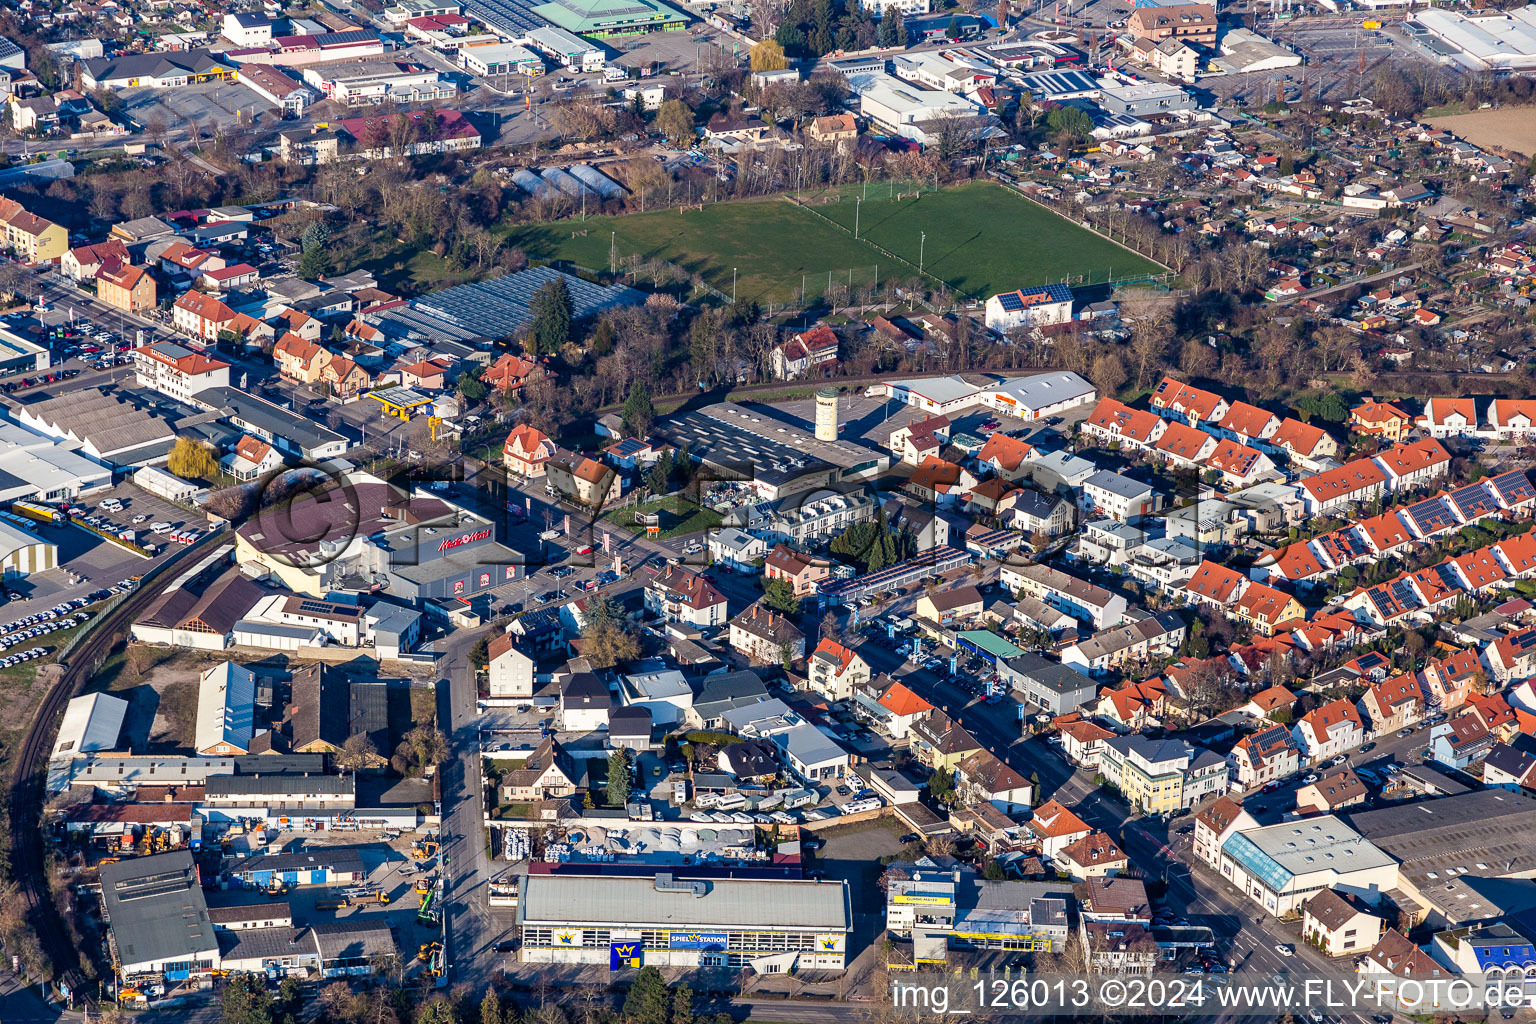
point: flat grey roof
(157, 909)
(1486, 832)
(759, 904)
(336, 858)
(278, 784)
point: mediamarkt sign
(468, 538)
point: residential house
(939, 742)
(890, 706)
(509, 373)
(1332, 729)
(1460, 741)
(1505, 767)
(835, 671)
(1339, 924)
(1334, 792)
(1120, 497)
(548, 772)
(1218, 821)
(766, 637)
(736, 549)
(1263, 757)
(1174, 399)
(1394, 704)
(1161, 776)
(299, 360)
(1083, 741)
(252, 459)
(1054, 828)
(1093, 856)
(201, 316)
(526, 451)
(1152, 636)
(31, 238)
(343, 379)
(1066, 593)
(947, 605)
(82, 262)
(582, 479)
(1380, 419)
(679, 595)
(1041, 515)
(1008, 457)
(510, 670)
(804, 573)
(803, 353)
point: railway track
(30, 771)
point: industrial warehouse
(768, 925)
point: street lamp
(858, 202)
(921, 244)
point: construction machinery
(424, 849)
(424, 884)
(425, 914)
(428, 948)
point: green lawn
(981, 239)
(768, 244)
(679, 517)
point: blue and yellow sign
(623, 956)
(697, 940)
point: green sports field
(981, 239)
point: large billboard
(697, 940)
(625, 956)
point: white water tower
(826, 414)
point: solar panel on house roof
(1403, 593)
(1010, 302)
(1474, 501)
(1513, 487)
(1432, 516)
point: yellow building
(126, 287)
(1161, 776)
(29, 236)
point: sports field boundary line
(1014, 190)
(873, 245)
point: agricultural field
(980, 239)
(1511, 128)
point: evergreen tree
(682, 1004)
(779, 594)
(553, 312)
(490, 1008)
(618, 778)
(246, 1001)
(647, 1001)
(638, 410)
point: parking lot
(88, 562)
(152, 519)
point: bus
(42, 513)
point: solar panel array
(1474, 501)
(1432, 516)
(1513, 487)
(1010, 302)
(501, 306)
(510, 17)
